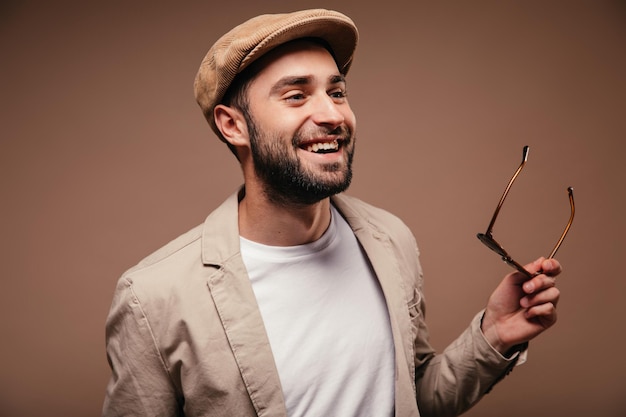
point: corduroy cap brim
(245, 43)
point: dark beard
(285, 180)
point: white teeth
(324, 146)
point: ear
(231, 124)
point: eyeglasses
(491, 243)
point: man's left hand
(520, 308)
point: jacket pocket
(414, 309)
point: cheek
(350, 119)
(279, 123)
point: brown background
(104, 157)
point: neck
(263, 221)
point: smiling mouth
(323, 147)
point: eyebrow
(337, 79)
(291, 81)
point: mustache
(342, 133)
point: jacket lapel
(379, 250)
(238, 310)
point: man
(293, 299)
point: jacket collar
(220, 233)
(224, 222)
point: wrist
(489, 329)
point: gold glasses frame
(491, 243)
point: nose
(329, 113)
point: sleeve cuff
(518, 354)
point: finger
(551, 267)
(544, 313)
(532, 269)
(535, 267)
(538, 283)
(547, 296)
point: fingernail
(529, 287)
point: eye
(338, 94)
(294, 96)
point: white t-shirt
(327, 323)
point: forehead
(300, 57)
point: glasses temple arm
(506, 190)
(570, 192)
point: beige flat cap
(237, 49)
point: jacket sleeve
(446, 383)
(449, 383)
(140, 384)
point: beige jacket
(185, 336)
